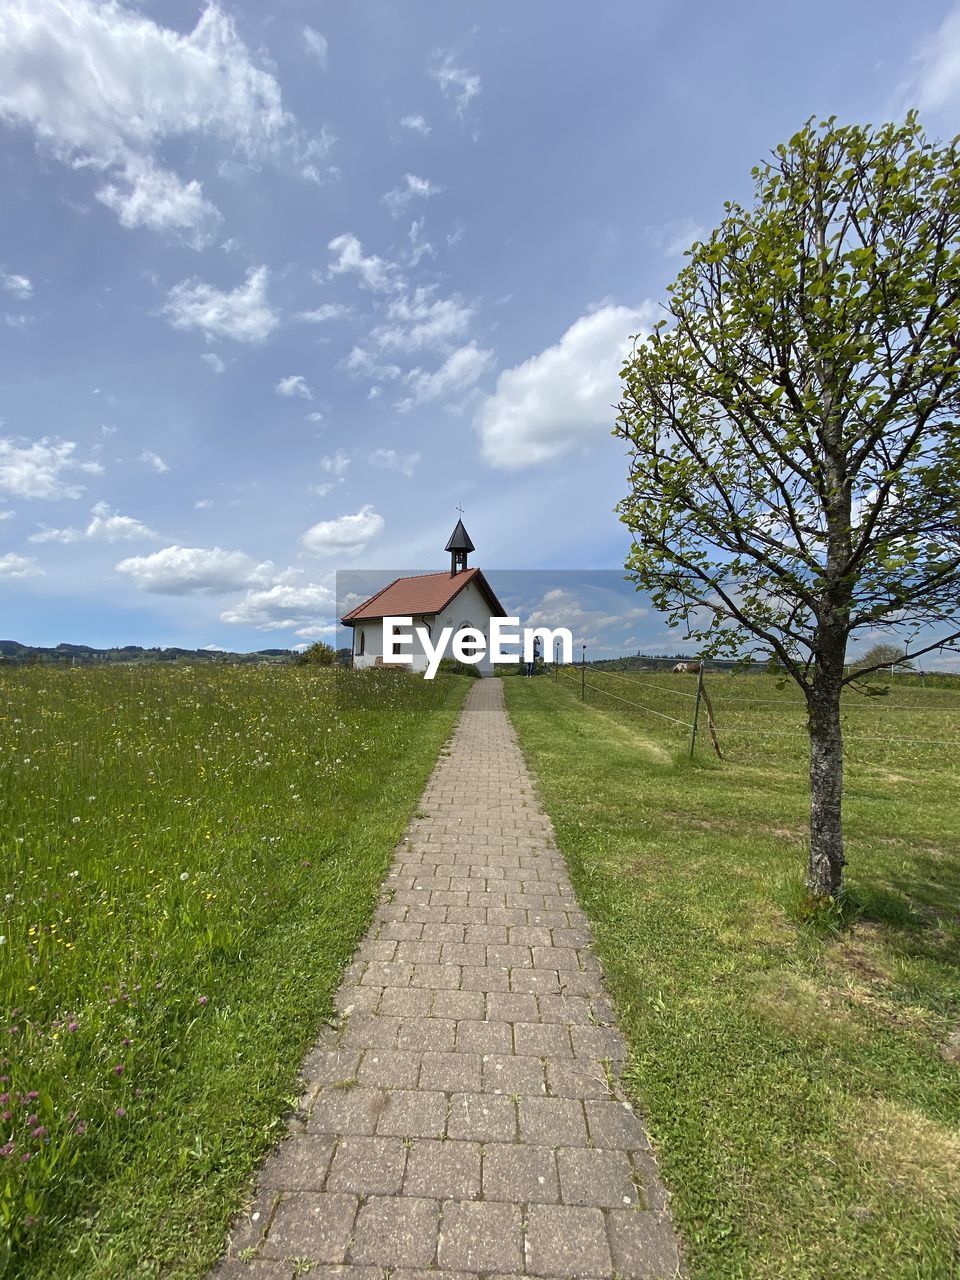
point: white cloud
(294, 385)
(203, 504)
(412, 188)
(6, 515)
(419, 246)
(178, 571)
(390, 460)
(242, 314)
(562, 398)
(460, 370)
(935, 82)
(320, 315)
(157, 199)
(456, 83)
(14, 566)
(345, 535)
(102, 86)
(19, 286)
(374, 272)
(673, 238)
(283, 606)
(416, 124)
(213, 360)
(316, 416)
(420, 321)
(335, 464)
(316, 44)
(154, 461)
(105, 526)
(36, 468)
(19, 566)
(321, 490)
(363, 365)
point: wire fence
(739, 724)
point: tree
(794, 450)
(883, 657)
(317, 655)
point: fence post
(696, 711)
(556, 660)
(583, 674)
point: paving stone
(339, 1111)
(299, 1164)
(558, 1122)
(255, 1269)
(400, 931)
(396, 1231)
(565, 1240)
(542, 1039)
(615, 1125)
(591, 1176)
(512, 1075)
(371, 1031)
(404, 1274)
(330, 1066)
(443, 1169)
(389, 1069)
(436, 976)
(527, 935)
(482, 1117)
(451, 1071)
(505, 1006)
(536, 981)
(458, 1004)
(520, 1174)
(367, 1166)
(598, 1042)
(643, 1244)
(412, 1113)
(420, 952)
(464, 953)
(480, 1235)
(576, 1078)
(569, 1010)
(249, 1226)
(312, 1225)
(484, 979)
(352, 999)
(423, 1034)
(484, 1037)
(406, 1002)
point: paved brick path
(465, 1121)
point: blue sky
(282, 285)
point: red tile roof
(425, 593)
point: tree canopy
(792, 425)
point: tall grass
(189, 855)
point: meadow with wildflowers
(189, 856)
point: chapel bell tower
(458, 544)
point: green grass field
(790, 1067)
(189, 856)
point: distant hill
(12, 652)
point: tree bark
(825, 872)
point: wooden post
(583, 675)
(696, 711)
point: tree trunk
(825, 873)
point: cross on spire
(460, 509)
